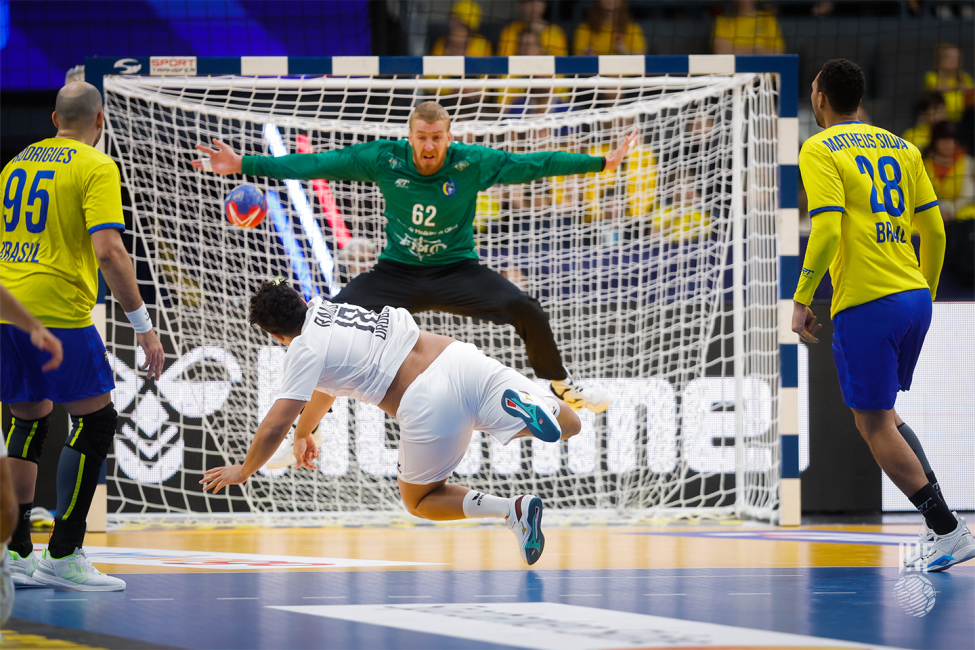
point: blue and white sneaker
(525, 521)
(941, 552)
(541, 423)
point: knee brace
(25, 438)
(92, 434)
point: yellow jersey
(878, 182)
(761, 30)
(57, 192)
(603, 41)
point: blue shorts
(84, 372)
(876, 346)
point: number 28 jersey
(878, 182)
(57, 192)
(344, 350)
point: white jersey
(344, 350)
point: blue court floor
(764, 603)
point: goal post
(669, 282)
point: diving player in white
(438, 388)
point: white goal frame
(619, 71)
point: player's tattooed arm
(268, 438)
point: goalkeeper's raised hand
(223, 160)
(616, 158)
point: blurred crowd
(943, 130)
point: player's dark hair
(929, 101)
(78, 104)
(277, 309)
(842, 81)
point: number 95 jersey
(344, 350)
(57, 192)
(878, 182)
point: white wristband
(140, 319)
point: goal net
(660, 280)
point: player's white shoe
(925, 536)
(579, 396)
(22, 569)
(6, 586)
(940, 552)
(525, 521)
(75, 572)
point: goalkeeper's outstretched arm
(507, 167)
(351, 163)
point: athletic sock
(20, 541)
(936, 513)
(933, 480)
(479, 504)
(66, 537)
(78, 470)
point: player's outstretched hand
(154, 353)
(305, 452)
(804, 323)
(616, 158)
(42, 339)
(223, 160)
(220, 477)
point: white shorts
(460, 392)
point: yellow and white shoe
(579, 396)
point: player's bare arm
(305, 450)
(116, 266)
(269, 435)
(222, 159)
(40, 336)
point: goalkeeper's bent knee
(25, 438)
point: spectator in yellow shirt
(462, 38)
(550, 37)
(952, 173)
(949, 80)
(930, 111)
(749, 31)
(609, 29)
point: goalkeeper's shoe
(531, 410)
(75, 572)
(41, 518)
(940, 552)
(525, 521)
(579, 396)
(22, 569)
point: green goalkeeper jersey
(429, 218)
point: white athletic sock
(555, 407)
(478, 504)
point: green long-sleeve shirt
(429, 218)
